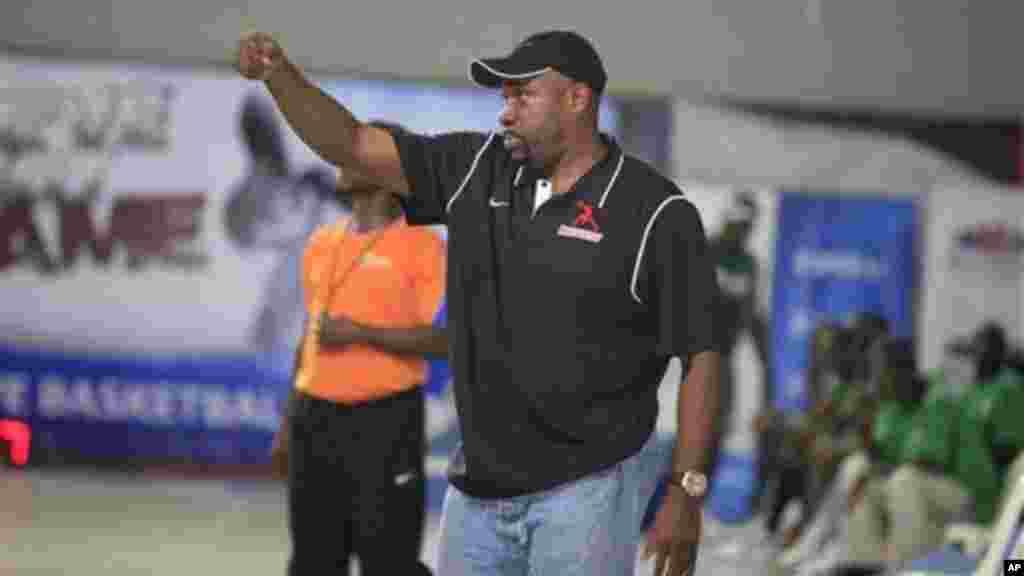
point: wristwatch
(692, 482)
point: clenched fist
(258, 56)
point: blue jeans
(587, 527)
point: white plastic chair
(1005, 541)
(972, 538)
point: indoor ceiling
(957, 58)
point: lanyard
(325, 292)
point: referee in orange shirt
(354, 439)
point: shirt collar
(594, 186)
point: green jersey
(736, 275)
(889, 432)
(991, 419)
(1003, 411)
(930, 437)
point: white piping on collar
(472, 168)
(611, 183)
(643, 243)
(519, 175)
(499, 74)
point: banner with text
(974, 261)
(837, 256)
(152, 224)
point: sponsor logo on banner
(987, 244)
(811, 263)
(973, 267)
(991, 238)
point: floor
(85, 523)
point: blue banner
(199, 408)
(836, 256)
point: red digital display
(18, 437)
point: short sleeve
(436, 168)
(429, 267)
(680, 285)
(310, 255)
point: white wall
(713, 144)
(722, 149)
(970, 282)
(716, 151)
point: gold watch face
(694, 484)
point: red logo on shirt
(585, 217)
(584, 226)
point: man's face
(533, 116)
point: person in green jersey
(893, 372)
(844, 395)
(948, 462)
(738, 282)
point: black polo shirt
(562, 320)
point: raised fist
(258, 56)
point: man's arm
(296, 366)
(282, 439)
(697, 405)
(683, 294)
(299, 352)
(325, 125)
(425, 341)
(428, 335)
(759, 334)
(683, 291)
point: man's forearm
(297, 361)
(293, 392)
(319, 120)
(418, 341)
(697, 406)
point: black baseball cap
(563, 50)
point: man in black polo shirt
(575, 273)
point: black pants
(356, 486)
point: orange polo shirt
(397, 282)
